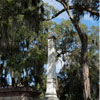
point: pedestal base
(50, 98)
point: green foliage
(17, 17)
(70, 77)
(78, 12)
(23, 49)
(21, 46)
(93, 55)
(49, 10)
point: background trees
(78, 8)
(70, 76)
(20, 26)
(23, 46)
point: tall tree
(19, 28)
(75, 17)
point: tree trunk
(85, 67)
(57, 86)
(84, 53)
(84, 62)
(26, 79)
(13, 79)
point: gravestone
(51, 70)
(19, 93)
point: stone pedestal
(51, 70)
(50, 98)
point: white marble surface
(51, 70)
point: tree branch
(76, 25)
(94, 12)
(72, 7)
(54, 16)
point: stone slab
(19, 93)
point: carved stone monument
(51, 70)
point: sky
(87, 20)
